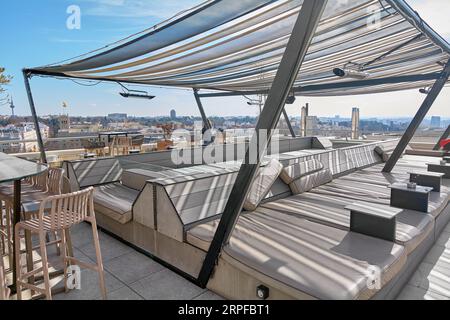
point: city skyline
(107, 21)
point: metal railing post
(206, 123)
(418, 118)
(288, 122)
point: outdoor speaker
(262, 292)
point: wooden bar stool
(6, 231)
(3, 228)
(65, 211)
(4, 290)
(34, 190)
(30, 186)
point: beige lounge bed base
(237, 276)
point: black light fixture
(355, 72)
(137, 94)
(291, 99)
(425, 90)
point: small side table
(427, 179)
(445, 169)
(446, 159)
(374, 220)
(413, 199)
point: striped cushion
(262, 184)
(311, 181)
(300, 170)
(329, 209)
(320, 261)
(115, 201)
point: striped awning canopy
(237, 45)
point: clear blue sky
(34, 33)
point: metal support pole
(35, 118)
(206, 123)
(296, 49)
(418, 118)
(443, 137)
(288, 122)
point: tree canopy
(4, 80)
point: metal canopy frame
(412, 16)
(207, 124)
(28, 73)
(288, 123)
(330, 86)
(418, 118)
(294, 55)
(26, 77)
(443, 137)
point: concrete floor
(432, 278)
(129, 275)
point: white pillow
(264, 180)
(309, 182)
(299, 170)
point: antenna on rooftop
(12, 106)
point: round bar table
(13, 169)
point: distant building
(435, 122)
(312, 125)
(303, 120)
(64, 122)
(355, 123)
(173, 114)
(25, 132)
(7, 147)
(118, 117)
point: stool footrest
(32, 273)
(82, 264)
(31, 287)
